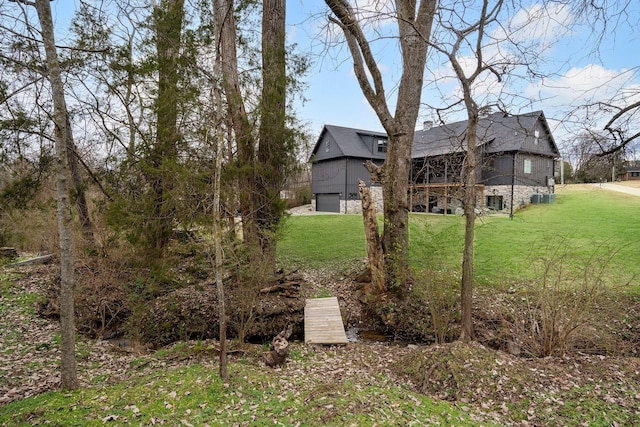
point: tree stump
(375, 254)
(278, 356)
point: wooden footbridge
(323, 322)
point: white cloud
(582, 85)
(578, 98)
(523, 39)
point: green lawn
(585, 225)
(194, 395)
(317, 241)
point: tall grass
(592, 222)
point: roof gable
(347, 142)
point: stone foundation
(521, 195)
(355, 206)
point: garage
(328, 202)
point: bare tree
(591, 164)
(468, 38)
(113, 90)
(414, 27)
(69, 379)
(23, 66)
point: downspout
(346, 183)
(513, 181)
(411, 186)
(446, 188)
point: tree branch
(362, 56)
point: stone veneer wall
(521, 194)
(355, 206)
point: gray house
(518, 156)
(337, 163)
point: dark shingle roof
(497, 132)
(350, 141)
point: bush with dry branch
(569, 307)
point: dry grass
(633, 184)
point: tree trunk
(374, 242)
(78, 185)
(169, 15)
(469, 202)
(470, 169)
(414, 27)
(226, 28)
(273, 151)
(219, 258)
(69, 378)
(395, 238)
(217, 221)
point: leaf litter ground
(489, 386)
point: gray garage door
(328, 202)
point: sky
(574, 65)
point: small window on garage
(527, 166)
(382, 145)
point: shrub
(569, 307)
(429, 314)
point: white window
(527, 166)
(327, 147)
(382, 146)
(536, 135)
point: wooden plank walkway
(323, 322)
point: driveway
(619, 188)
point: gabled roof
(350, 141)
(498, 132)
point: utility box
(548, 198)
(536, 199)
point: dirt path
(619, 188)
